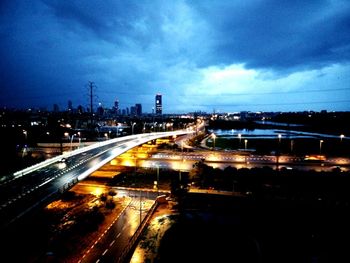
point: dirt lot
(77, 221)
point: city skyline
(225, 56)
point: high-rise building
(138, 108)
(116, 106)
(100, 109)
(70, 105)
(132, 110)
(56, 108)
(159, 108)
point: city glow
(97, 191)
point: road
(22, 193)
(110, 245)
(221, 159)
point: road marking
(111, 244)
(118, 235)
(97, 260)
(104, 253)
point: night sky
(270, 55)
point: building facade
(159, 108)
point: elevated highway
(36, 186)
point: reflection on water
(269, 133)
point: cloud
(236, 88)
(207, 50)
(280, 35)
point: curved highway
(36, 186)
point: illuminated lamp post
(279, 138)
(279, 143)
(25, 134)
(321, 141)
(214, 136)
(132, 128)
(71, 142)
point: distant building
(116, 106)
(159, 108)
(80, 109)
(100, 109)
(132, 110)
(138, 109)
(56, 108)
(70, 105)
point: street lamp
(279, 138)
(79, 139)
(321, 141)
(279, 142)
(341, 137)
(291, 145)
(240, 138)
(71, 142)
(214, 136)
(25, 134)
(245, 144)
(132, 128)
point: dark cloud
(133, 49)
(279, 34)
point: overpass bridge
(39, 184)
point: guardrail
(151, 136)
(127, 250)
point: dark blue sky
(270, 55)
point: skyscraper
(138, 109)
(159, 104)
(70, 105)
(116, 106)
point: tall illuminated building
(159, 104)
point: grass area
(148, 246)
(143, 178)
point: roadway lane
(226, 157)
(22, 193)
(60, 181)
(110, 246)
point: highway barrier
(126, 254)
